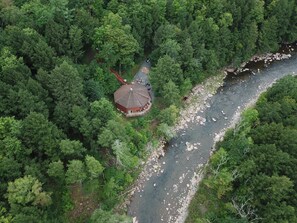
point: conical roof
(132, 96)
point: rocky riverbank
(194, 103)
(197, 102)
(265, 58)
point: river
(162, 197)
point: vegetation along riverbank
(66, 153)
(218, 111)
(251, 177)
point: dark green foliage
(171, 93)
(40, 136)
(93, 90)
(65, 86)
(57, 119)
(103, 110)
(71, 148)
(115, 42)
(253, 178)
(17, 86)
(169, 115)
(166, 70)
(30, 45)
(56, 170)
(93, 166)
(76, 172)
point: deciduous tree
(94, 167)
(115, 42)
(27, 191)
(56, 169)
(76, 172)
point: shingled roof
(132, 96)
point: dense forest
(66, 154)
(252, 177)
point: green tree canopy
(115, 42)
(93, 166)
(167, 69)
(56, 169)
(76, 172)
(40, 136)
(27, 190)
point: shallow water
(163, 194)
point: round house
(132, 99)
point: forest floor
(84, 204)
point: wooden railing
(119, 78)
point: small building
(132, 99)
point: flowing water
(163, 196)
